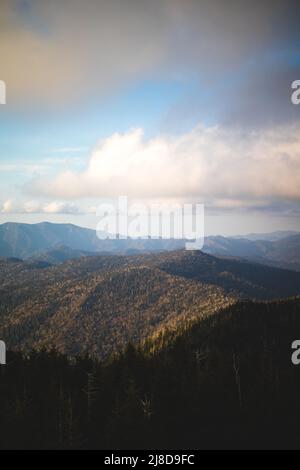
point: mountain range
(37, 240)
(56, 243)
(282, 252)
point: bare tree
(146, 407)
(236, 368)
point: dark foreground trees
(226, 382)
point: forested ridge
(96, 305)
(227, 381)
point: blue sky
(185, 103)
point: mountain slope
(97, 304)
(59, 255)
(241, 278)
(225, 382)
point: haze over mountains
(55, 243)
(27, 240)
(282, 252)
(270, 236)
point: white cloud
(218, 166)
(11, 206)
(92, 210)
(8, 207)
(31, 207)
(60, 208)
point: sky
(161, 100)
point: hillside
(227, 382)
(59, 255)
(97, 304)
(235, 276)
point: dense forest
(96, 305)
(226, 381)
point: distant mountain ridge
(283, 253)
(25, 240)
(55, 243)
(270, 236)
(28, 240)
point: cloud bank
(218, 166)
(11, 206)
